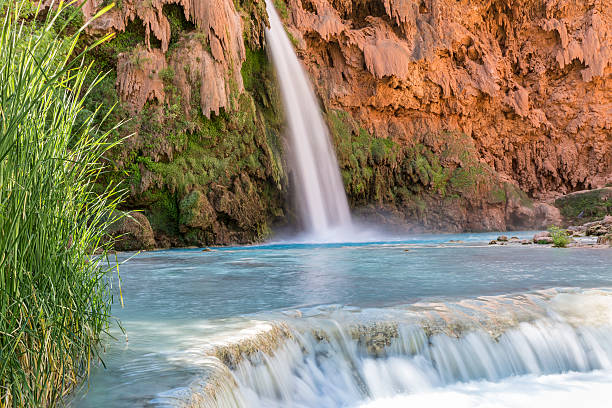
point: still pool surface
(180, 303)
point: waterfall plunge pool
(418, 322)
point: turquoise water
(179, 303)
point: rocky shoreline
(595, 234)
(584, 216)
(134, 234)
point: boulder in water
(597, 230)
(543, 238)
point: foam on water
(592, 307)
(556, 390)
(334, 358)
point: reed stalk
(54, 295)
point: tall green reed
(54, 295)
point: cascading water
(332, 360)
(321, 198)
(414, 324)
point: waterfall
(337, 371)
(321, 199)
(331, 360)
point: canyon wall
(446, 115)
(200, 117)
(522, 89)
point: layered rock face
(218, 48)
(529, 82)
(202, 157)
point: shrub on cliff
(54, 296)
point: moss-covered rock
(131, 231)
(198, 180)
(436, 181)
(196, 212)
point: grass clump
(54, 296)
(559, 236)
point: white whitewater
(322, 202)
(336, 372)
(323, 365)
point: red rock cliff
(530, 82)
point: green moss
(497, 195)
(254, 70)
(382, 150)
(281, 7)
(293, 40)
(468, 179)
(125, 41)
(188, 207)
(178, 23)
(516, 193)
(167, 75)
(220, 148)
(379, 170)
(423, 167)
(586, 206)
(162, 211)
(217, 151)
(370, 165)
